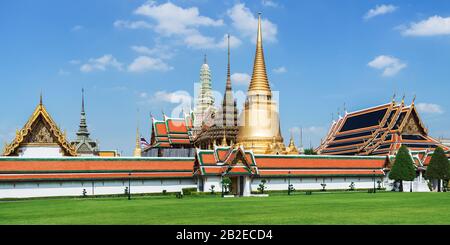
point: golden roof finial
(259, 81)
(40, 98)
(224, 139)
(414, 99)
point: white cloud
(62, 72)
(74, 62)
(281, 69)
(389, 64)
(77, 28)
(125, 24)
(172, 19)
(160, 51)
(380, 10)
(428, 108)
(182, 99)
(240, 78)
(433, 26)
(146, 63)
(184, 23)
(101, 64)
(269, 3)
(246, 23)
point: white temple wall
(75, 188)
(40, 151)
(208, 181)
(308, 183)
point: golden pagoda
(259, 123)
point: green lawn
(336, 208)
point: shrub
(84, 193)
(212, 189)
(164, 192)
(188, 191)
(323, 186)
(262, 186)
(352, 186)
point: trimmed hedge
(188, 191)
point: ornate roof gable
(40, 129)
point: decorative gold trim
(40, 110)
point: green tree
(403, 168)
(310, 151)
(439, 168)
(226, 184)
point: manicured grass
(335, 208)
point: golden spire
(40, 99)
(224, 139)
(259, 81)
(137, 149)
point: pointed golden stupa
(259, 123)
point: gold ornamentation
(40, 129)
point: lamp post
(129, 186)
(289, 183)
(374, 188)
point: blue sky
(134, 57)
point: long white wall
(341, 183)
(75, 188)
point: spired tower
(84, 145)
(259, 122)
(205, 101)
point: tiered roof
(379, 130)
(236, 160)
(225, 161)
(172, 132)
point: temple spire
(228, 86)
(40, 98)
(259, 82)
(82, 100)
(83, 132)
(137, 149)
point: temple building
(40, 137)
(84, 145)
(171, 137)
(380, 130)
(202, 148)
(259, 125)
(225, 126)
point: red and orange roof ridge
(222, 160)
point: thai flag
(144, 143)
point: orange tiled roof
(320, 162)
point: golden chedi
(259, 122)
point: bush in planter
(164, 192)
(84, 193)
(262, 186)
(352, 186)
(212, 189)
(126, 190)
(323, 186)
